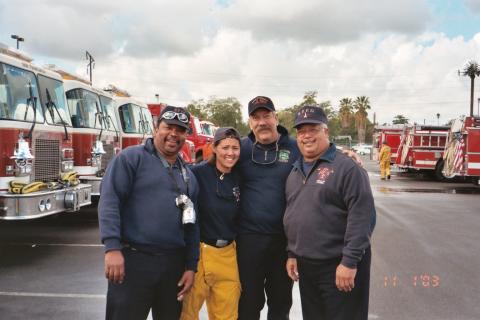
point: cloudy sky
(404, 55)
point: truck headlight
(67, 166)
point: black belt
(218, 243)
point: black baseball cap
(310, 114)
(175, 115)
(260, 102)
(226, 132)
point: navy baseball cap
(260, 102)
(175, 115)
(225, 132)
(310, 114)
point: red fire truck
(201, 140)
(462, 151)
(392, 135)
(36, 154)
(96, 136)
(421, 149)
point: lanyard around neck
(169, 168)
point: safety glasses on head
(169, 115)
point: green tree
(399, 119)
(197, 108)
(361, 105)
(471, 69)
(345, 112)
(223, 112)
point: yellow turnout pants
(384, 169)
(217, 282)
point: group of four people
(270, 211)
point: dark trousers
(261, 262)
(150, 283)
(321, 300)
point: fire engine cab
(421, 149)
(392, 135)
(36, 150)
(462, 151)
(96, 136)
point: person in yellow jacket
(384, 158)
(217, 279)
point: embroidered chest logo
(283, 155)
(323, 174)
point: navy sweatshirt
(263, 185)
(137, 204)
(218, 202)
(330, 212)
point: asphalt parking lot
(425, 257)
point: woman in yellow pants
(217, 281)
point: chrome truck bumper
(43, 203)
(94, 182)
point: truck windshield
(198, 126)
(15, 100)
(109, 112)
(148, 121)
(131, 118)
(57, 96)
(84, 109)
(207, 128)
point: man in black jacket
(328, 222)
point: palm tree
(345, 112)
(361, 105)
(471, 69)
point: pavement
(424, 266)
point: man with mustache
(266, 158)
(147, 224)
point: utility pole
(91, 64)
(18, 38)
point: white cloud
(323, 21)
(65, 29)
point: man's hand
(114, 266)
(345, 278)
(186, 281)
(292, 268)
(354, 156)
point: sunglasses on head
(169, 115)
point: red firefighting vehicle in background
(202, 141)
(421, 149)
(96, 136)
(462, 151)
(392, 135)
(36, 150)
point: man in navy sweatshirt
(266, 159)
(328, 221)
(147, 224)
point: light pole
(18, 38)
(438, 119)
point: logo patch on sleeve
(323, 174)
